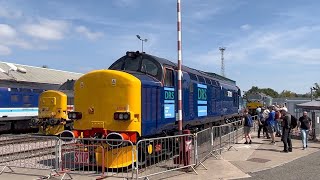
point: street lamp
(142, 40)
(312, 89)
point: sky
(270, 44)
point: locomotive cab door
(170, 95)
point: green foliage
(317, 91)
(267, 91)
(288, 94)
(270, 92)
(284, 94)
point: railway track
(13, 141)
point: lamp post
(142, 40)
(312, 89)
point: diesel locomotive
(137, 97)
(53, 113)
(53, 109)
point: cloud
(7, 31)
(9, 37)
(9, 13)
(4, 50)
(271, 45)
(89, 34)
(245, 27)
(47, 29)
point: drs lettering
(169, 95)
(202, 94)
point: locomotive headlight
(121, 116)
(74, 115)
(125, 116)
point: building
(24, 76)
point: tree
(287, 94)
(316, 93)
(267, 91)
(270, 92)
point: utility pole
(222, 49)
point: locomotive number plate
(81, 157)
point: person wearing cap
(304, 124)
(286, 134)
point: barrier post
(186, 148)
(220, 129)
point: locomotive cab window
(169, 78)
(139, 63)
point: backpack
(249, 120)
(294, 122)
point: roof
(312, 105)
(194, 71)
(25, 73)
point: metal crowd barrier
(164, 154)
(26, 151)
(97, 157)
(103, 158)
(211, 141)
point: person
(262, 124)
(305, 125)
(286, 130)
(278, 121)
(248, 123)
(265, 115)
(271, 124)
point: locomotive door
(170, 97)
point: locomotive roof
(194, 71)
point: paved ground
(302, 168)
(259, 160)
(244, 161)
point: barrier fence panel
(164, 154)
(97, 157)
(28, 151)
(211, 141)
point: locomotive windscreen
(139, 64)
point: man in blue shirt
(271, 122)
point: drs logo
(202, 100)
(202, 94)
(169, 95)
(169, 103)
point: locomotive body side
(137, 98)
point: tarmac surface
(259, 160)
